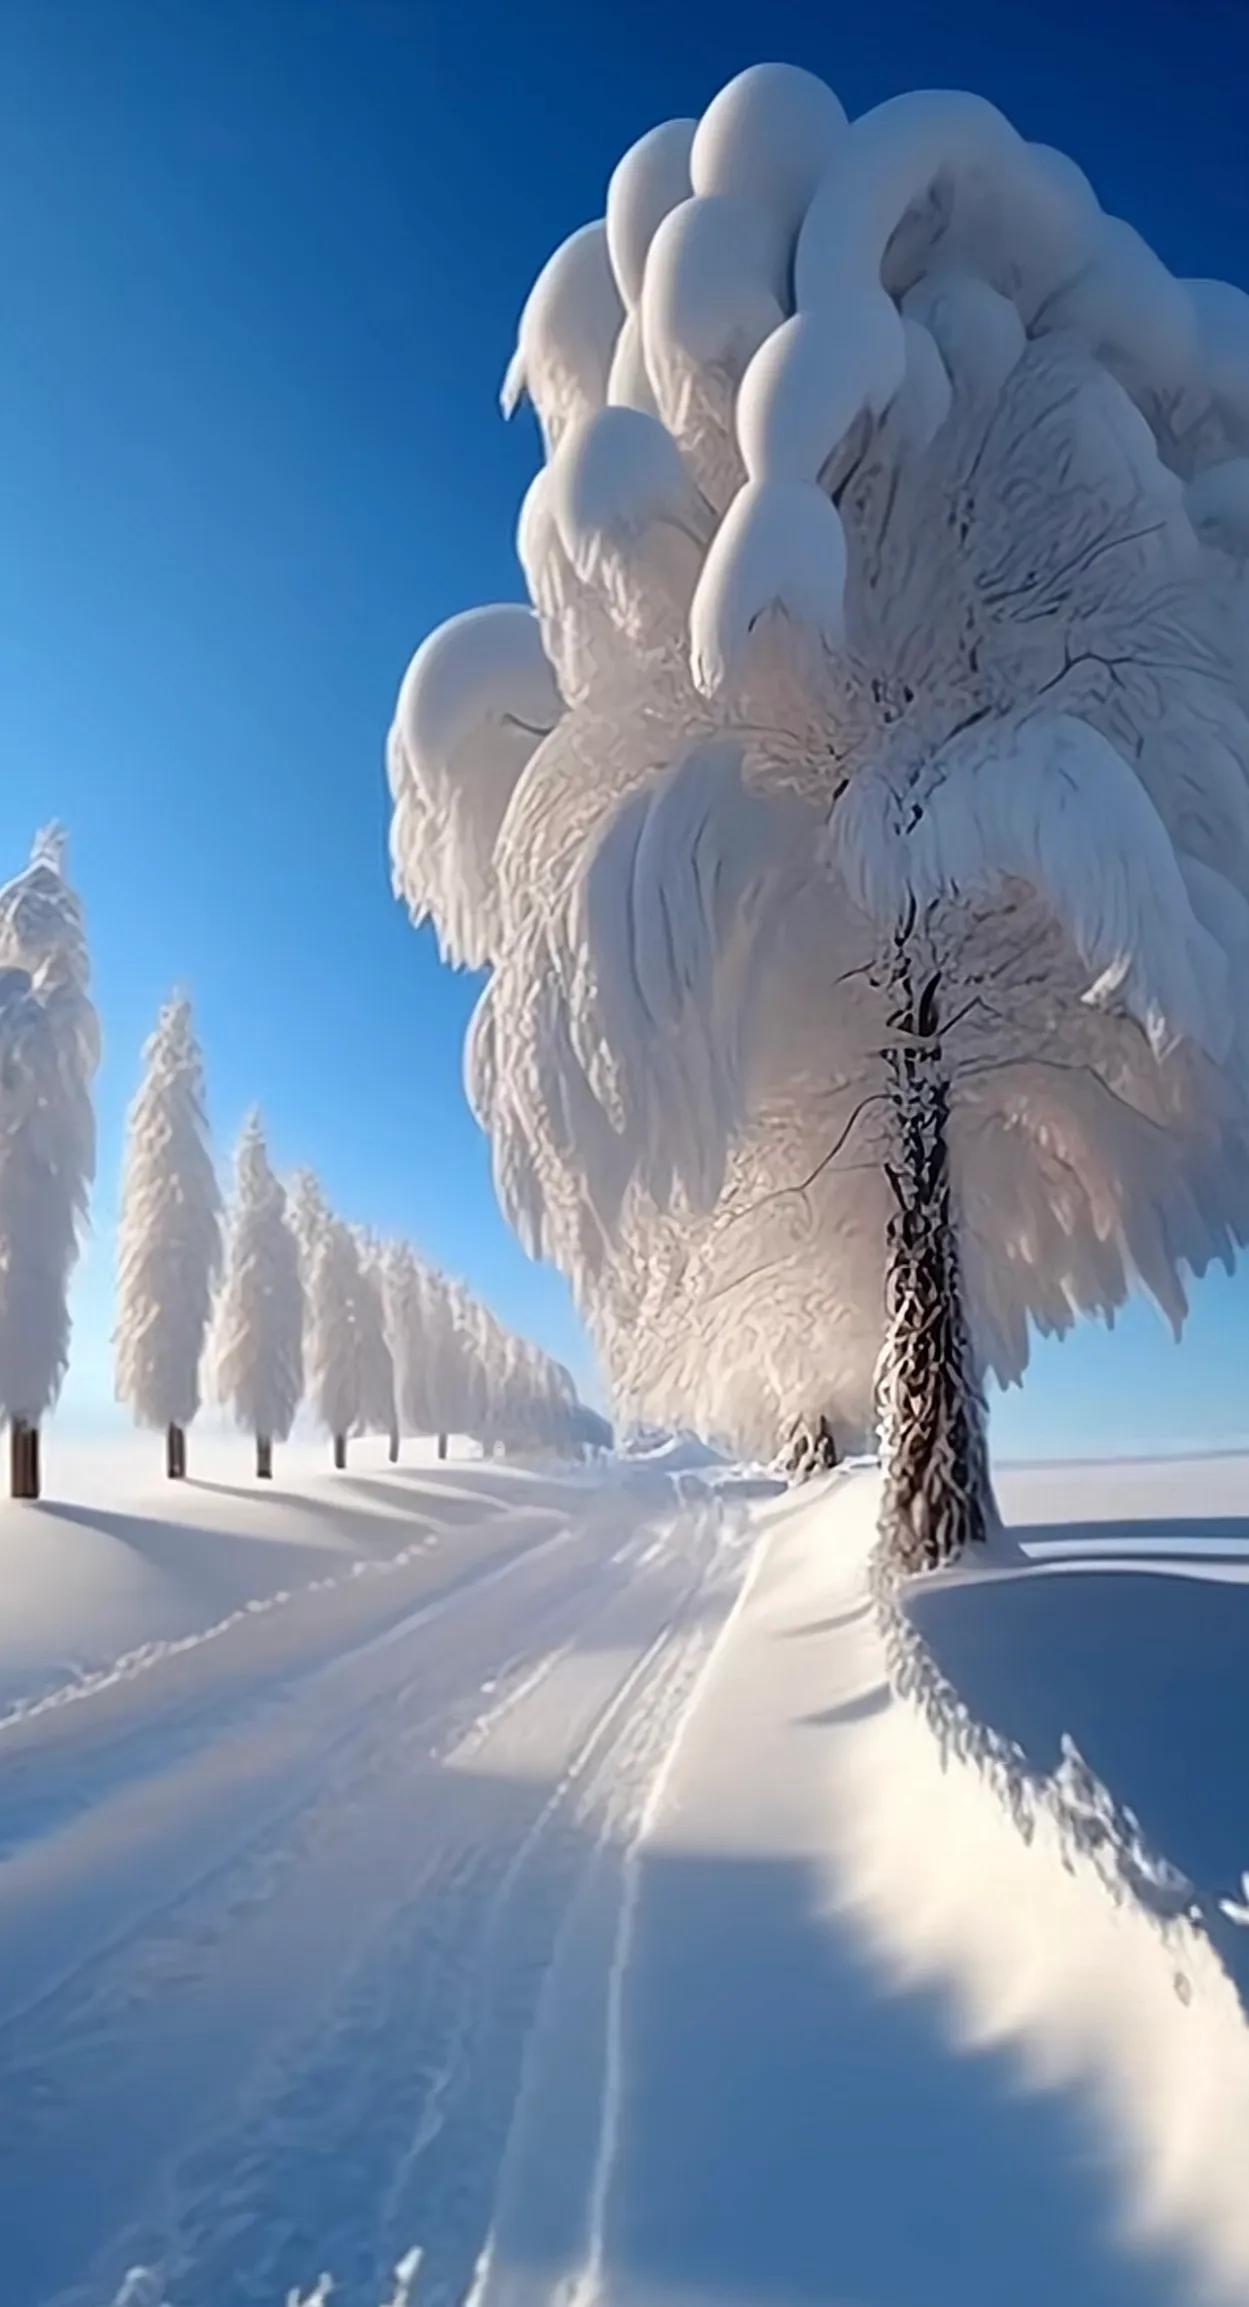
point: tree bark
(24, 1469)
(264, 1458)
(392, 1451)
(340, 1452)
(175, 1453)
(937, 1495)
(442, 1445)
(812, 1449)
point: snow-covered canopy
(888, 561)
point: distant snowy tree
(259, 1321)
(378, 1406)
(169, 1238)
(49, 1050)
(879, 741)
(333, 1312)
(449, 1391)
(346, 1354)
(403, 1289)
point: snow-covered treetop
(259, 1320)
(888, 560)
(169, 1241)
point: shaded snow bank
(913, 2009)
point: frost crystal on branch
(888, 565)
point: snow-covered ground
(606, 1888)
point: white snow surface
(466, 1883)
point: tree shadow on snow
(795, 2130)
(1193, 1530)
(1141, 1662)
(221, 1565)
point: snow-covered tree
(879, 741)
(169, 1238)
(379, 1412)
(332, 1310)
(451, 1408)
(260, 1315)
(403, 1291)
(49, 1050)
(346, 1355)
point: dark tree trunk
(392, 1451)
(340, 1452)
(937, 1495)
(442, 1445)
(24, 1476)
(812, 1449)
(264, 1458)
(175, 1453)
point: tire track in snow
(586, 2287)
(437, 2027)
(298, 1779)
(204, 1920)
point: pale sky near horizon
(263, 262)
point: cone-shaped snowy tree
(403, 1293)
(334, 1334)
(379, 1412)
(49, 1050)
(260, 1315)
(169, 1239)
(880, 741)
(446, 1380)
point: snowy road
(602, 1888)
(273, 1929)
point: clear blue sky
(261, 264)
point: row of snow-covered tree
(272, 1303)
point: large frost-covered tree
(169, 1238)
(49, 1050)
(260, 1314)
(857, 826)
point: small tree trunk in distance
(937, 1496)
(812, 1449)
(175, 1453)
(340, 1452)
(392, 1452)
(23, 1460)
(264, 1458)
(442, 1445)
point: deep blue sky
(260, 264)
